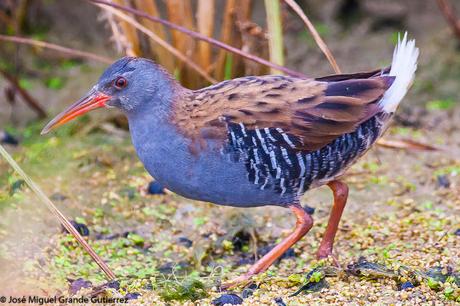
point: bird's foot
(240, 280)
(324, 253)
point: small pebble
(443, 181)
(185, 242)
(132, 295)
(6, 138)
(76, 285)
(114, 284)
(279, 301)
(249, 290)
(155, 188)
(80, 227)
(58, 197)
(16, 186)
(309, 210)
(227, 298)
(406, 285)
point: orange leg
(340, 191)
(303, 225)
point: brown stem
(44, 44)
(24, 94)
(449, 14)
(202, 38)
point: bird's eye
(120, 83)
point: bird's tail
(403, 69)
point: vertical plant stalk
(319, 41)
(205, 24)
(64, 221)
(132, 43)
(449, 13)
(198, 36)
(163, 43)
(226, 37)
(275, 33)
(162, 54)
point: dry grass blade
(225, 37)
(198, 36)
(68, 226)
(319, 41)
(44, 44)
(449, 14)
(275, 33)
(180, 13)
(163, 56)
(132, 40)
(161, 42)
(205, 24)
(406, 144)
(24, 94)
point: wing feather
(313, 112)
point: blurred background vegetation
(359, 32)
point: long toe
(240, 280)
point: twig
(449, 14)
(202, 37)
(44, 44)
(64, 221)
(319, 41)
(24, 94)
(160, 41)
(406, 144)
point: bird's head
(129, 84)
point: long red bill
(94, 99)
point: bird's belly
(210, 176)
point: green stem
(275, 33)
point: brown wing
(311, 112)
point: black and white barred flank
(272, 161)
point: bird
(257, 140)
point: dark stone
(16, 186)
(6, 138)
(245, 261)
(155, 188)
(129, 192)
(78, 284)
(113, 284)
(443, 181)
(170, 267)
(132, 296)
(457, 232)
(58, 197)
(240, 239)
(228, 298)
(80, 227)
(185, 242)
(309, 210)
(312, 287)
(406, 285)
(279, 301)
(249, 290)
